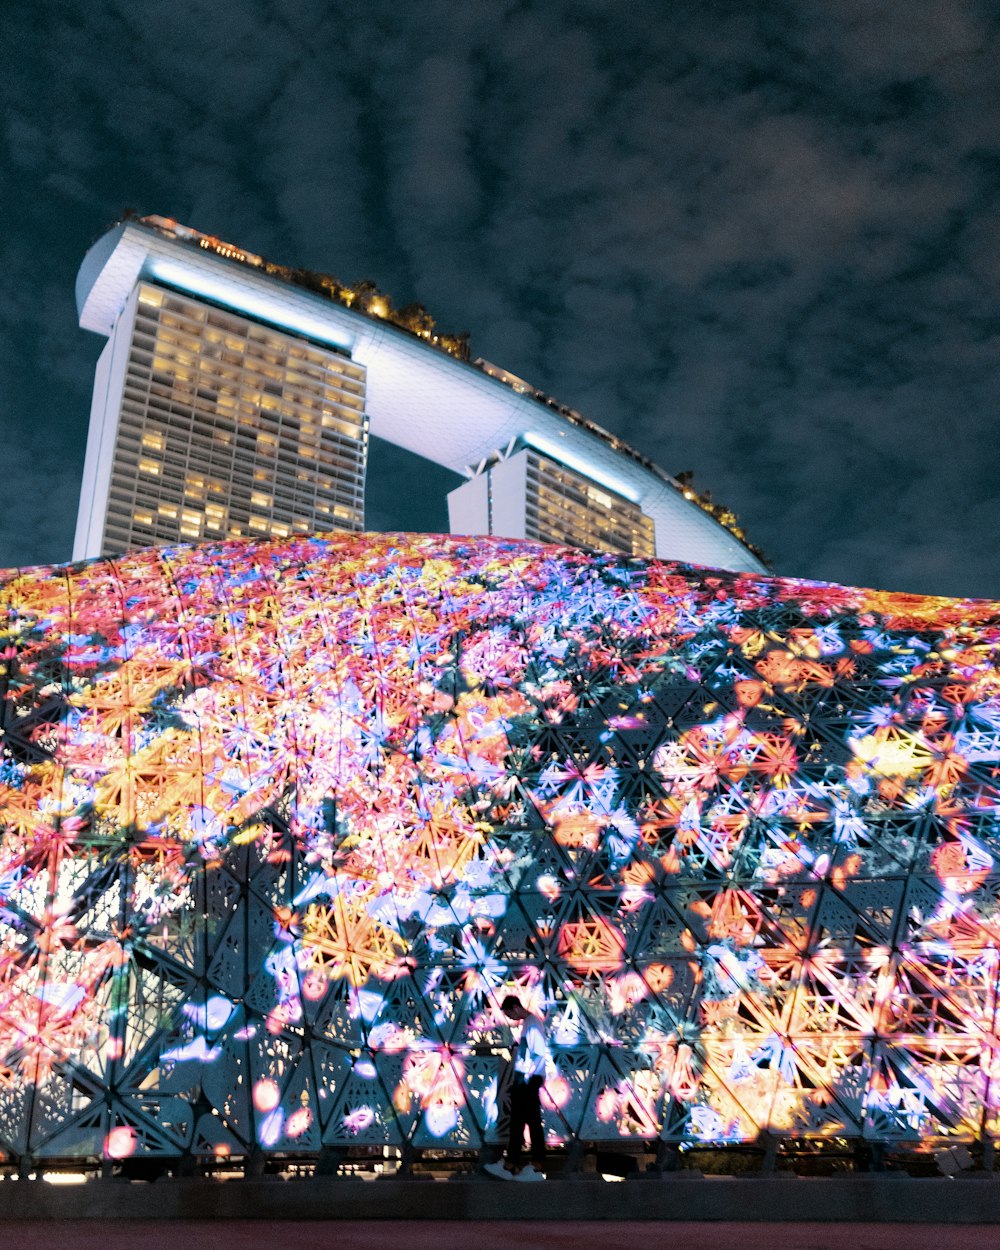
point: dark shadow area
(406, 492)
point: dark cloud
(759, 241)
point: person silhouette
(532, 1063)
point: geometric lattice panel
(283, 823)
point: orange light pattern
(283, 823)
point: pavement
(472, 1202)
(487, 1235)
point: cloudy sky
(757, 239)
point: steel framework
(283, 823)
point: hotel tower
(234, 398)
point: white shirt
(533, 1057)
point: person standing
(532, 1061)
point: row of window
(234, 349)
(142, 527)
(209, 395)
(330, 422)
(169, 490)
(180, 313)
(183, 368)
(154, 481)
(228, 456)
(228, 429)
(236, 455)
(157, 415)
(248, 402)
(564, 507)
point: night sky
(760, 241)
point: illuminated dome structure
(283, 823)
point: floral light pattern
(283, 823)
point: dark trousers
(526, 1110)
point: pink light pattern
(282, 823)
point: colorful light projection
(283, 824)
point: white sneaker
(498, 1170)
(529, 1174)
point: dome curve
(284, 822)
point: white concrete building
(206, 424)
(230, 401)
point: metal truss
(283, 823)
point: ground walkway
(678, 1199)
(492, 1235)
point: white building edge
(419, 398)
